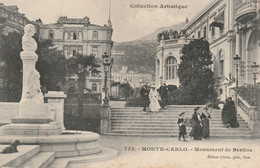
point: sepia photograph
(129, 83)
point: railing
(245, 8)
(247, 112)
(247, 4)
(175, 41)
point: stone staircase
(29, 156)
(132, 121)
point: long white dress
(154, 103)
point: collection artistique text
(157, 6)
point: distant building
(14, 20)
(232, 28)
(78, 36)
(134, 79)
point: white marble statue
(28, 43)
(33, 89)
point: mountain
(139, 54)
(153, 36)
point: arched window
(171, 68)
(94, 87)
(221, 63)
(95, 35)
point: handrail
(246, 111)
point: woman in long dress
(205, 116)
(154, 100)
(196, 131)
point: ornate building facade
(78, 36)
(14, 20)
(232, 28)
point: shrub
(249, 93)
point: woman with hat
(205, 116)
(154, 100)
(196, 131)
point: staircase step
(219, 136)
(133, 121)
(25, 152)
(41, 160)
(175, 128)
(157, 132)
(159, 122)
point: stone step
(24, 153)
(41, 160)
(156, 121)
(176, 128)
(171, 120)
(219, 136)
(106, 154)
(161, 116)
(165, 110)
(243, 125)
(230, 131)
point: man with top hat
(164, 95)
(144, 92)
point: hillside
(153, 36)
(140, 54)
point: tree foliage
(81, 66)
(168, 34)
(195, 75)
(51, 64)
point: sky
(129, 22)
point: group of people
(199, 122)
(229, 114)
(154, 99)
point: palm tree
(81, 66)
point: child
(182, 127)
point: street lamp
(254, 71)
(237, 59)
(106, 64)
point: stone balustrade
(246, 9)
(249, 113)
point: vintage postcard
(130, 83)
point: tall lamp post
(106, 64)
(237, 59)
(255, 72)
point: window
(80, 49)
(74, 53)
(51, 34)
(74, 36)
(205, 32)
(65, 49)
(171, 68)
(94, 87)
(95, 35)
(212, 31)
(221, 63)
(199, 34)
(94, 50)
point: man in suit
(164, 95)
(144, 92)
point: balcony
(246, 11)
